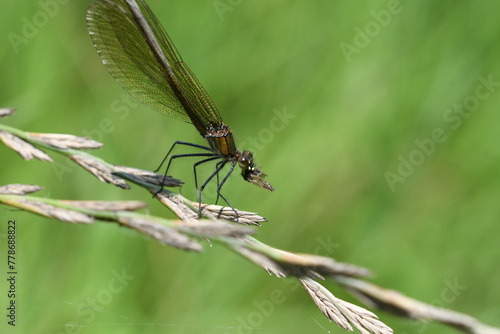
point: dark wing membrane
(137, 51)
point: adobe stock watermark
(449, 294)
(364, 36)
(453, 117)
(32, 25)
(280, 120)
(264, 309)
(87, 310)
(222, 7)
(326, 246)
(121, 109)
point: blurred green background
(366, 85)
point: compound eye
(245, 160)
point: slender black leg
(217, 166)
(210, 157)
(181, 156)
(182, 143)
(220, 187)
(195, 174)
(187, 155)
(217, 170)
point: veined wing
(140, 55)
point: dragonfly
(140, 55)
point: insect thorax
(221, 141)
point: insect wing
(139, 54)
